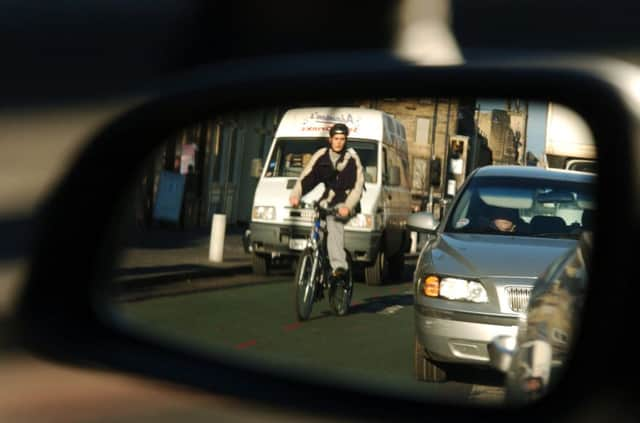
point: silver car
(475, 274)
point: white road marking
(391, 310)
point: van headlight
(362, 221)
(454, 289)
(264, 213)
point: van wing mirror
(394, 176)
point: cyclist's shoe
(340, 272)
(339, 275)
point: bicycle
(313, 273)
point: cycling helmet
(339, 128)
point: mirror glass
(234, 241)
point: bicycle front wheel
(340, 293)
(304, 284)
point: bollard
(414, 242)
(216, 246)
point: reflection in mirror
(235, 241)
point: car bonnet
(481, 255)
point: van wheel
(293, 265)
(261, 264)
(396, 267)
(375, 273)
(425, 370)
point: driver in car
(505, 220)
(503, 225)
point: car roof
(534, 173)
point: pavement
(161, 260)
(165, 255)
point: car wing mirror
(116, 301)
(501, 350)
(422, 222)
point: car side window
(460, 218)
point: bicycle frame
(319, 278)
(317, 242)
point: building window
(217, 154)
(419, 182)
(423, 131)
(231, 174)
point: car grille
(518, 298)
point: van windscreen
(291, 155)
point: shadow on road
(407, 274)
(135, 279)
(474, 374)
(378, 304)
(372, 305)
(185, 270)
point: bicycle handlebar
(329, 211)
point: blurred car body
(472, 280)
(535, 359)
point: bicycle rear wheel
(304, 285)
(340, 294)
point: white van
(376, 239)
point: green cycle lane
(373, 342)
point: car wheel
(261, 264)
(425, 369)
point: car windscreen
(584, 166)
(530, 207)
(290, 155)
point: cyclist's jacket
(344, 183)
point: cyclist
(340, 169)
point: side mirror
(394, 176)
(422, 222)
(256, 168)
(501, 350)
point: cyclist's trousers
(335, 243)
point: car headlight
(454, 289)
(264, 212)
(363, 221)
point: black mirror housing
(66, 320)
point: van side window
(385, 167)
(391, 160)
(403, 132)
(405, 171)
